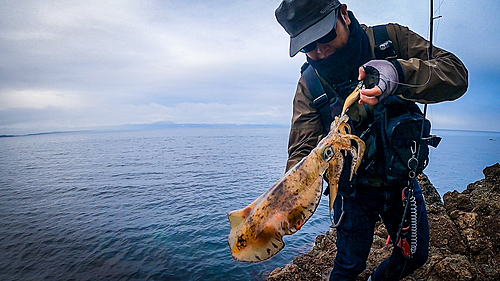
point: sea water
(152, 205)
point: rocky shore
(464, 232)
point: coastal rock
(464, 238)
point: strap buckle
(320, 101)
(386, 50)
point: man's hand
(381, 78)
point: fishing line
(410, 85)
(430, 66)
(428, 59)
(413, 85)
(439, 7)
(437, 11)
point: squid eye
(328, 153)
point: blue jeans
(355, 233)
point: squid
(257, 230)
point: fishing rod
(431, 27)
(429, 57)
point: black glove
(383, 74)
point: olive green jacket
(443, 78)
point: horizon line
(167, 125)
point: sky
(76, 65)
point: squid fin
(237, 218)
(263, 238)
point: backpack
(396, 125)
(400, 128)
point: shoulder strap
(320, 98)
(384, 48)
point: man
(341, 52)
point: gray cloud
(82, 64)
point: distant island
(150, 126)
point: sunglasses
(323, 40)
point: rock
(492, 173)
(464, 238)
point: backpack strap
(321, 101)
(384, 47)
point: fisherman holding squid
(342, 51)
(333, 118)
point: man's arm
(306, 129)
(442, 78)
(420, 78)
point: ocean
(152, 205)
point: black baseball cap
(307, 20)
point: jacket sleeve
(306, 129)
(442, 78)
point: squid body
(257, 231)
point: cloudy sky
(67, 65)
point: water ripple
(138, 205)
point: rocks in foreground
(464, 244)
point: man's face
(323, 51)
